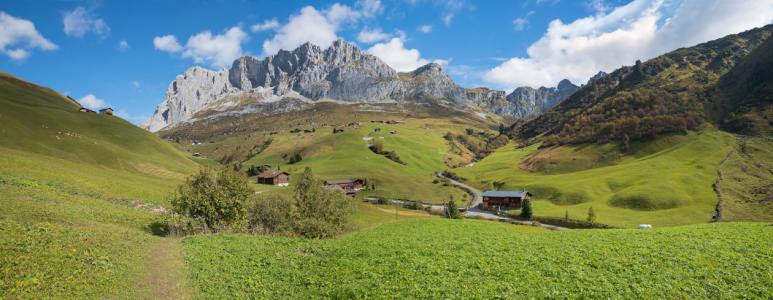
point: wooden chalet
(275, 178)
(351, 183)
(378, 129)
(197, 154)
(107, 111)
(393, 132)
(350, 192)
(339, 130)
(86, 110)
(264, 168)
(504, 199)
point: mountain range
(344, 74)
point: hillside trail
(164, 276)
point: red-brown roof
(272, 174)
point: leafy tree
(449, 136)
(526, 211)
(452, 210)
(321, 212)
(378, 147)
(591, 215)
(216, 197)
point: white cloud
(372, 36)
(604, 42)
(398, 57)
(318, 27)
(91, 102)
(134, 119)
(80, 21)
(450, 8)
(20, 33)
(135, 83)
(219, 50)
(267, 25)
(520, 23)
(425, 28)
(447, 19)
(167, 43)
(123, 45)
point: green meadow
(435, 258)
(665, 182)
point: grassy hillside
(77, 195)
(674, 92)
(419, 143)
(664, 182)
(747, 188)
(749, 89)
(454, 259)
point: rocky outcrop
(525, 101)
(341, 73)
(187, 94)
(599, 74)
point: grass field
(345, 155)
(77, 192)
(747, 188)
(453, 259)
(664, 182)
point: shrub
(377, 147)
(536, 224)
(216, 198)
(591, 215)
(452, 210)
(270, 214)
(321, 213)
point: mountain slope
(749, 89)
(299, 79)
(43, 131)
(674, 92)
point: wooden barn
(351, 183)
(86, 110)
(264, 168)
(504, 199)
(378, 129)
(108, 111)
(275, 178)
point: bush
(270, 214)
(536, 224)
(215, 198)
(321, 213)
(591, 215)
(452, 210)
(378, 147)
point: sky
(124, 54)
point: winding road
(475, 211)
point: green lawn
(432, 258)
(665, 182)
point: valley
(93, 206)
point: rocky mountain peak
(566, 84)
(599, 74)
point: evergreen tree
(526, 211)
(591, 215)
(567, 215)
(452, 210)
(501, 128)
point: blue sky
(124, 54)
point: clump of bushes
(204, 204)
